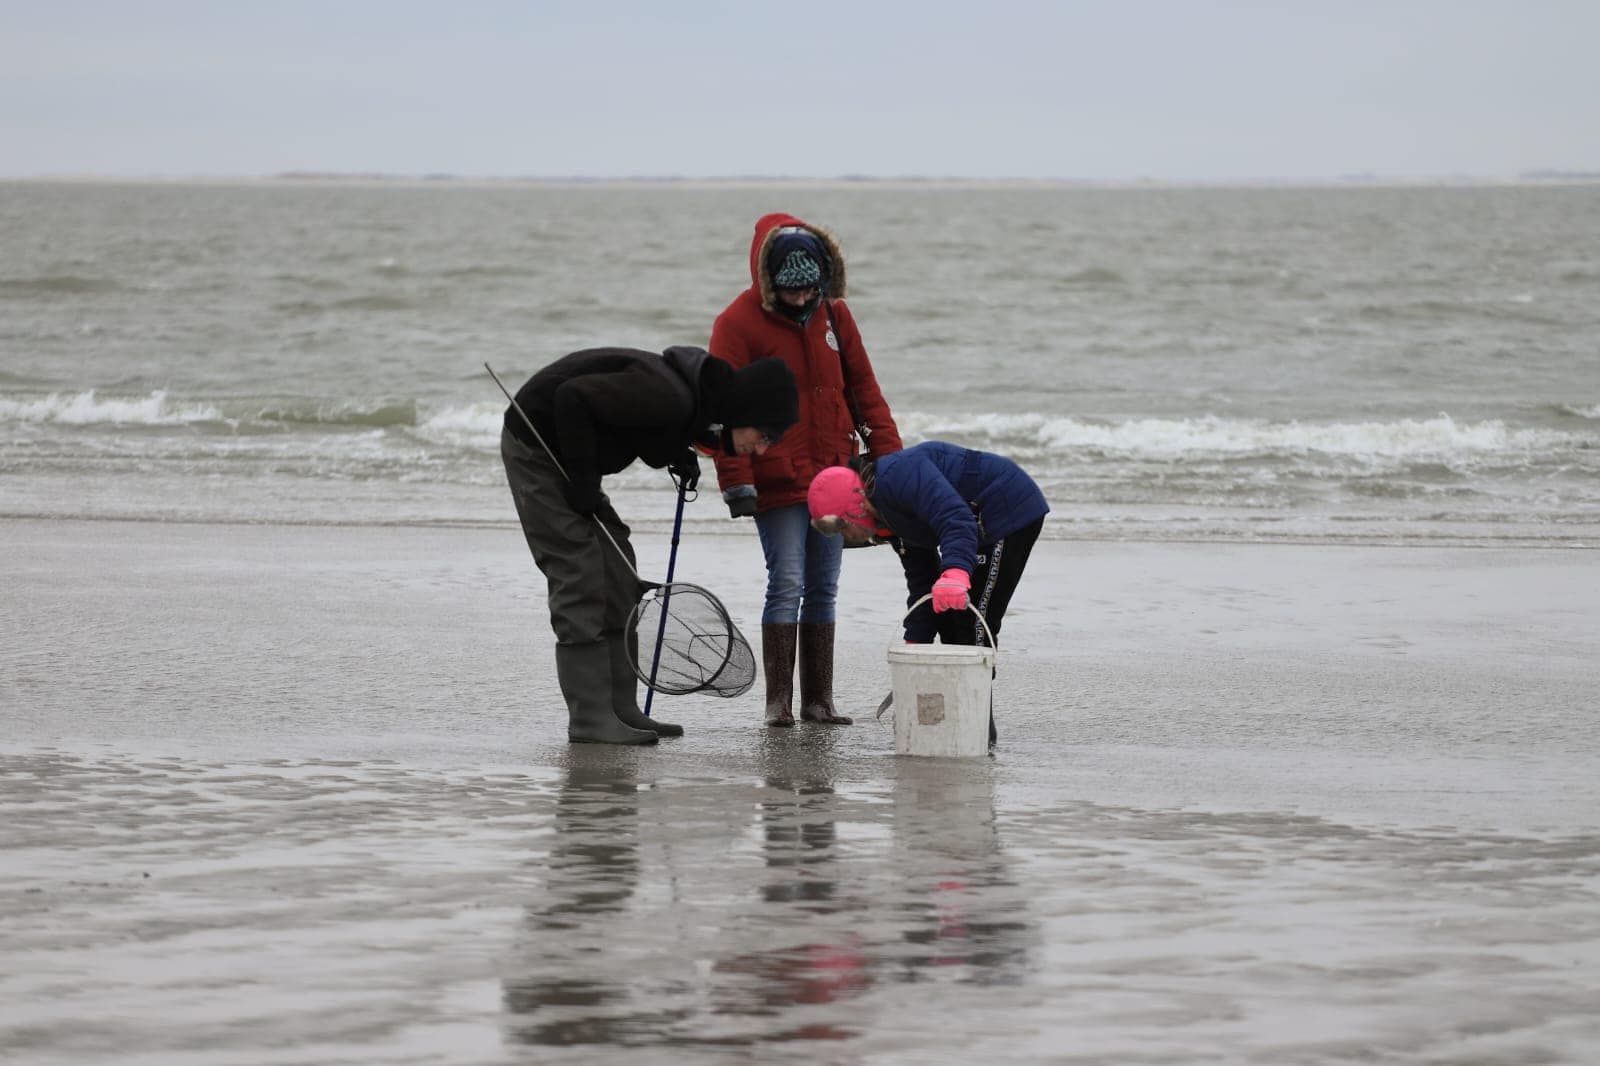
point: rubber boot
(625, 688)
(777, 663)
(584, 671)
(816, 674)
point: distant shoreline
(1538, 178)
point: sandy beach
(301, 794)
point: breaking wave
(88, 408)
(1439, 439)
(474, 426)
(85, 408)
(327, 413)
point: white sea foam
(85, 408)
(474, 426)
(1440, 439)
(1027, 436)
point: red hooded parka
(749, 328)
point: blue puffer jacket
(955, 499)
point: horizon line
(1366, 178)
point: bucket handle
(981, 620)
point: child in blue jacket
(964, 522)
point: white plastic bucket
(941, 698)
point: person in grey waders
(598, 410)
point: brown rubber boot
(777, 662)
(816, 675)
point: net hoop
(730, 642)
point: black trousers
(999, 570)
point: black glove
(583, 496)
(685, 470)
(742, 507)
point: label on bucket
(930, 708)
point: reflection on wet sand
(963, 912)
(592, 870)
(705, 913)
(798, 826)
(799, 836)
(938, 899)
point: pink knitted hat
(837, 491)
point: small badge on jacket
(833, 342)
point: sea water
(284, 775)
(1384, 365)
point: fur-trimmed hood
(767, 228)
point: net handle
(971, 607)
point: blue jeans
(802, 567)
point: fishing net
(700, 649)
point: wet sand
(301, 795)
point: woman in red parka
(794, 310)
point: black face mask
(801, 314)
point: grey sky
(990, 88)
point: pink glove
(950, 591)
